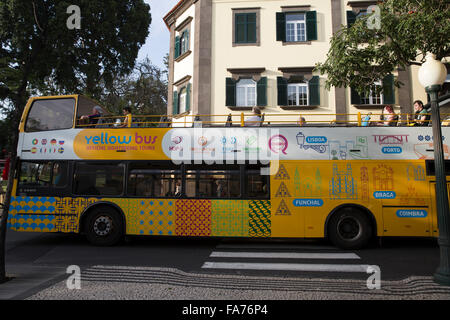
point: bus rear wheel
(349, 228)
(104, 226)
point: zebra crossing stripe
(273, 246)
(287, 267)
(284, 255)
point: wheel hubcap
(103, 226)
(349, 228)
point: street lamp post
(432, 75)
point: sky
(157, 44)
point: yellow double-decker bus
(81, 174)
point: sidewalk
(129, 283)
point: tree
(363, 53)
(144, 90)
(38, 52)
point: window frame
(246, 87)
(26, 129)
(297, 86)
(100, 163)
(168, 165)
(296, 23)
(246, 11)
(50, 189)
(369, 99)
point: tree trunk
(19, 106)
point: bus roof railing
(267, 119)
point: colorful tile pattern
(155, 217)
(260, 223)
(193, 218)
(229, 218)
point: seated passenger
(388, 117)
(255, 120)
(421, 118)
(301, 121)
(97, 113)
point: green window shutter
(311, 25)
(245, 28)
(240, 28)
(230, 92)
(281, 26)
(389, 89)
(355, 97)
(177, 47)
(251, 27)
(175, 103)
(282, 85)
(188, 97)
(314, 91)
(261, 92)
(351, 18)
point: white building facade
(227, 56)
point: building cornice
(176, 11)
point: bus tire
(104, 226)
(350, 228)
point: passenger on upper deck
(128, 118)
(255, 120)
(97, 113)
(421, 118)
(388, 117)
(301, 121)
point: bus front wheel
(104, 226)
(349, 228)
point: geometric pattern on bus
(282, 174)
(155, 217)
(283, 209)
(260, 218)
(229, 218)
(46, 214)
(32, 214)
(282, 191)
(193, 218)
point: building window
(246, 93)
(182, 99)
(298, 94)
(293, 92)
(182, 44)
(375, 96)
(245, 27)
(295, 27)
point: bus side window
(59, 175)
(257, 184)
(98, 179)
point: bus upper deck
(52, 127)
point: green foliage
(360, 56)
(38, 51)
(145, 91)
